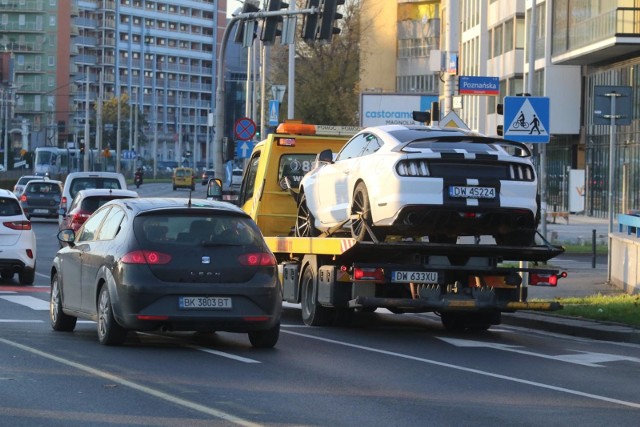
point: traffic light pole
(220, 92)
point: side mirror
(325, 156)
(67, 236)
(214, 189)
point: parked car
(416, 181)
(207, 174)
(87, 202)
(17, 241)
(77, 181)
(22, 181)
(163, 264)
(183, 178)
(41, 198)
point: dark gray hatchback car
(157, 264)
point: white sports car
(416, 181)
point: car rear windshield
(9, 207)
(180, 230)
(92, 182)
(183, 172)
(92, 203)
(43, 188)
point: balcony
(610, 36)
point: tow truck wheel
(313, 314)
(361, 208)
(305, 221)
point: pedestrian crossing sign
(526, 118)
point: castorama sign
(378, 109)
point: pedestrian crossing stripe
(527, 121)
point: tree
(327, 75)
(110, 122)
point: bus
(58, 162)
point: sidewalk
(582, 280)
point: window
(497, 41)
(90, 228)
(111, 225)
(353, 148)
(508, 35)
(294, 167)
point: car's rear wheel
(305, 220)
(109, 331)
(361, 211)
(313, 314)
(265, 339)
(26, 277)
(59, 320)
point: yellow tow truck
(468, 285)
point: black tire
(313, 314)
(26, 277)
(361, 206)
(305, 220)
(7, 275)
(452, 322)
(343, 317)
(59, 320)
(265, 339)
(109, 331)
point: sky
(232, 5)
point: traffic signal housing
(271, 28)
(327, 20)
(82, 148)
(310, 23)
(500, 112)
(245, 33)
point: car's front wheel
(265, 339)
(109, 331)
(59, 320)
(305, 220)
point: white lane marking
(19, 321)
(471, 370)
(27, 301)
(227, 355)
(46, 276)
(8, 292)
(135, 386)
(583, 358)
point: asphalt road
(385, 370)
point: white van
(77, 181)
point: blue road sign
(526, 118)
(274, 112)
(478, 85)
(244, 149)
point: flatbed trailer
(333, 277)
(468, 285)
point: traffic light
(82, 148)
(310, 23)
(500, 112)
(271, 26)
(327, 18)
(247, 27)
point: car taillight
(80, 217)
(63, 202)
(519, 172)
(413, 168)
(368, 274)
(23, 198)
(146, 257)
(18, 225)
(257, 259)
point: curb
(574, 327)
